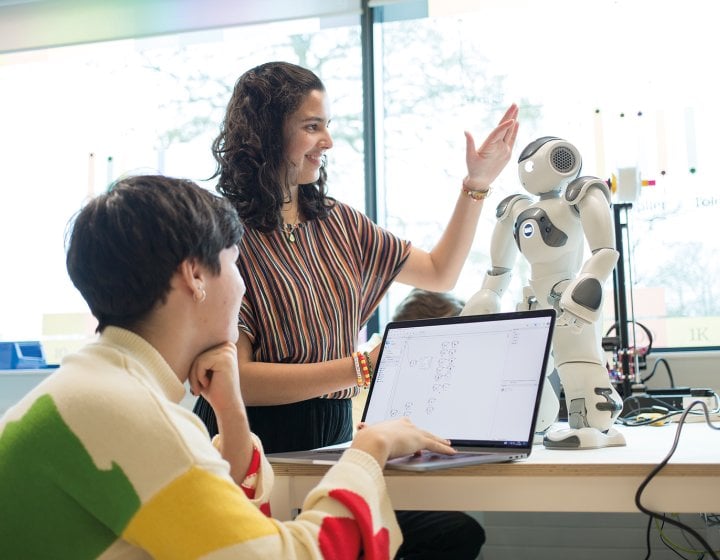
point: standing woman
(314, 267)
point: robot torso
(549, 235)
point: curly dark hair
(250, 149)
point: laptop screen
(475, 380)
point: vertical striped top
(307, 300)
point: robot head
(548, 164)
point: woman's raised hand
(485, 163)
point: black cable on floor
(661, 516)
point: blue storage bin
(22, 355)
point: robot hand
(482, 302)
(487, 299)
(575, 314)
(580, 300)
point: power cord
(664, 362)
(689, 547)
(653, 515)
(664, 408)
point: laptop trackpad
(431, 461)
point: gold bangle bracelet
(476, 195)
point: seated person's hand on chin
(214, 375)
(395, 438)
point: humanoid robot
(550, 232)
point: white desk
(595, 480)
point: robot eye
(529, 166)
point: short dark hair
(423, 304)
(250, 148)
(125, 245)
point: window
(618, 81)
(621, 83)
(76, 118)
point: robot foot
(583, 438)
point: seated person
(101, 460)
(423, 304)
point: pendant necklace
(289, 231)
(289, 228)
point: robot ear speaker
(564, 159)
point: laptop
(475, 380)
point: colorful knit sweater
(101, 461)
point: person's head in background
(126, 248)
(261, 151)
(422, 304)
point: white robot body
(550, 238)
(552, 234)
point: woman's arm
(439, 269)
(265, 383)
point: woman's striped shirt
(307, 300)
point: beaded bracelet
(371, 369)
(358, 371)
(364, 369)
(476, 195)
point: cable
(661, 516)
(657, 402)
(648, 547)
(667, 367)
(630, 422)
(667, 411)
(675, 547)
(669, 544)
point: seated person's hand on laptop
(396, 438)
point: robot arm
(487, 299)
(590, 197)
(581, 299)
(503, 254)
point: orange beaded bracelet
(371, 369)
(363, 369)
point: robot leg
(549, 401)
(549, 405)
(593, 403)
(591, 399)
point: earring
(199, 298)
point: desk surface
(592, 480)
